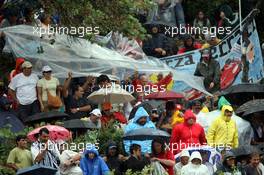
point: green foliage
(6, 171)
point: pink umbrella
(55, 133)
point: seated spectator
(48, 88)
(189, 45)
(157, 45)
(109, 116)
(69, 160)
(10, 18)
(5, 104)
(93, 164)
(20, 156)
(135, 162)
(257, 124)
(229, 165)
(210, 70)
(95, 119)
(45, 152)
(141, 120)
(76, 105)
(211, 41)
(205, 157)
(255, 167)
(184, 160)
(113, 159)
(201, 22)
(164, 157)
(195, 166)
(22, 89)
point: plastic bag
(158, 169)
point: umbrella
(253, 110)
(46, 116)
(148, 106)
(9, 118)
(241, 93)
(77, 124)
(245, 150)
(167, 95)
(145, 134)
(114, 94)
(248, 105)
(55, 133)
(36, 170)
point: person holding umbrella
(141, 120)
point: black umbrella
(77, 124)
(37, 170)
(9, 118)
(250, 104)
(245, 150)
(46, 116)
(255, 109)
(146, 134)
(241, 93)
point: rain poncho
(19, 62)
(223, 131)
(145, 145)
(184, 135)
(95, 166)
(177, 118)
(195, 169)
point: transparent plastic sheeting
(81, 56)
(245, 131)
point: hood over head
(196, 155)
(110, 145)
(141, 112)
(185, 153)
(189, 115)
(91, 149)
(19, 62)
(224, 108)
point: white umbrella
(114, 94)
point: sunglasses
(47, 72)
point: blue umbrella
(37, 170)
(9, 118)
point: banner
(228, 54)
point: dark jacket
(134, 164)
(211, 73)
(113, 162)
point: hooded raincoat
(185, 135)
(19, 62)
(145, 145)
(223, 131)
(191, 169)
(95, 166)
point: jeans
(179, 14)
(24, 111)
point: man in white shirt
(22, 88)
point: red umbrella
(167, 95)
(55, 133)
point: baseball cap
(106, 106)
(46, 69)
(26, 64)
(96, 112)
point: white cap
(26, 64)
(96, 112)
(46, 69)
(196, 155)
(185, 153)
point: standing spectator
(195, 166)
(201, 22)
(113, 159)
(187, 134)
(255, 167)
(95, 119)
(76, 105)
(223, 130)
(184, 160)
(189, 45)
(135, 162)
(109, 116)
(18, 68)
(22, 89)
(20, 156)
(157, 45)
(210, 70)
(48, 86)
(164, 157)
(141, 120)
(229, 165)
(45, 152)
(92, 163)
